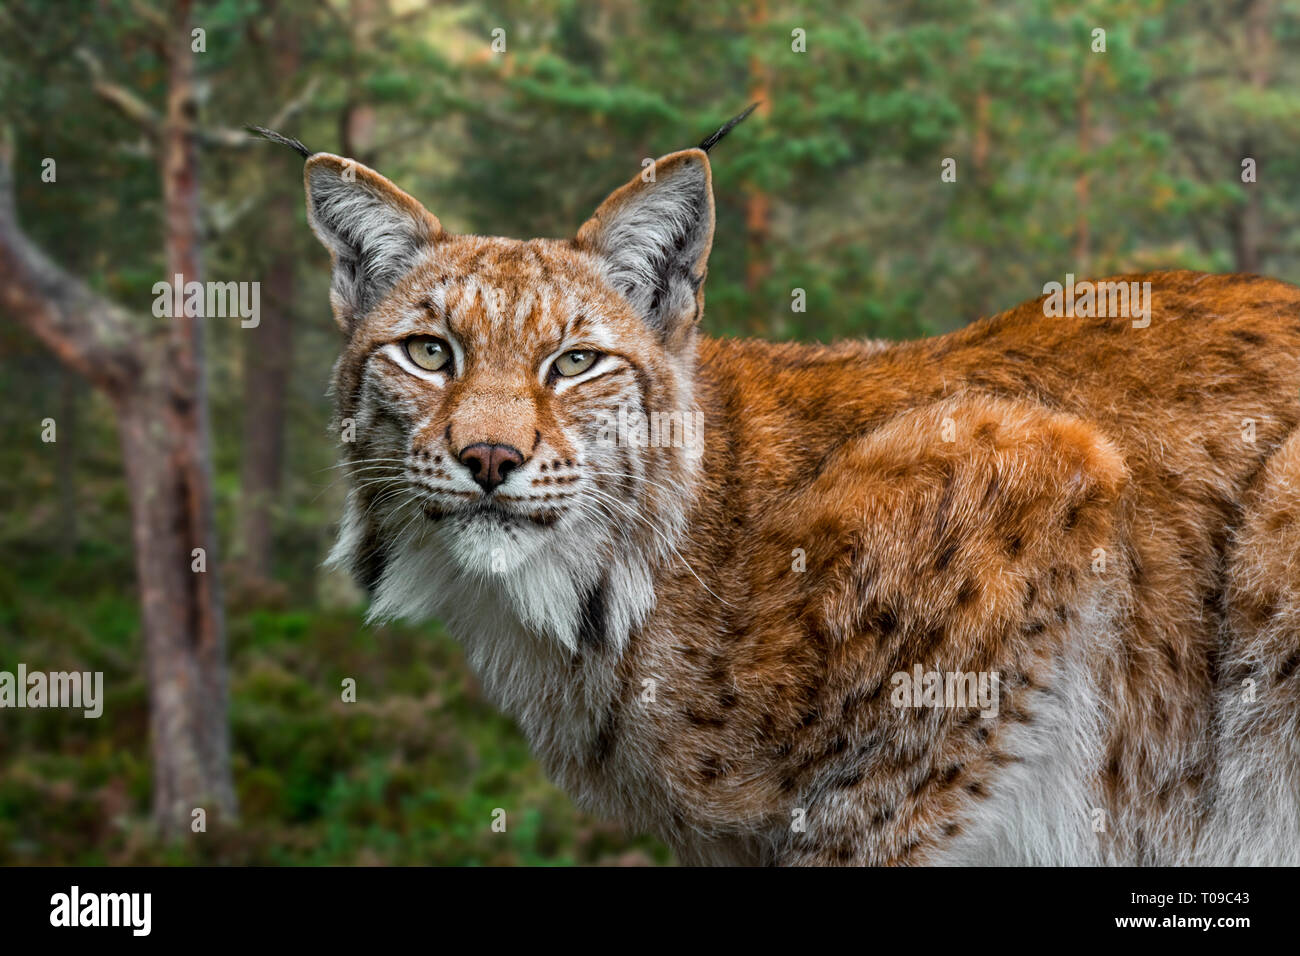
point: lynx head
(492, 396)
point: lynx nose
(490, 464)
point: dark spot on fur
(852, 700)
(606, 738)
(1288, 666)
(930, 642)
(882, 622)
(591, 627)
(1171, 656)
(1071, 519)
(1113, 767)
(371, 561)
(1260, 611)
(945, 556)
(703, 720)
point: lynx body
(704, 638)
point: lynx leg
(1256, 813)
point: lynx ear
(654, 235)
(372, 229)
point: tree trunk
(183, 640)
(184, 625)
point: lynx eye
(428, 352)
(575, 362)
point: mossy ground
(409, 774)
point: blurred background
(1072, 152)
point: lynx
(1092, 527)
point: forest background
(912, 167)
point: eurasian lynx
(1024, 593)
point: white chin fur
(477, 578)
(480, 545)
(464, 580)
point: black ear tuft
(726, 128)
(283, 140)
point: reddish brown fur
(950, 498)
(1131, 440)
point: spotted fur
(703, 641)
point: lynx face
(485, 380)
